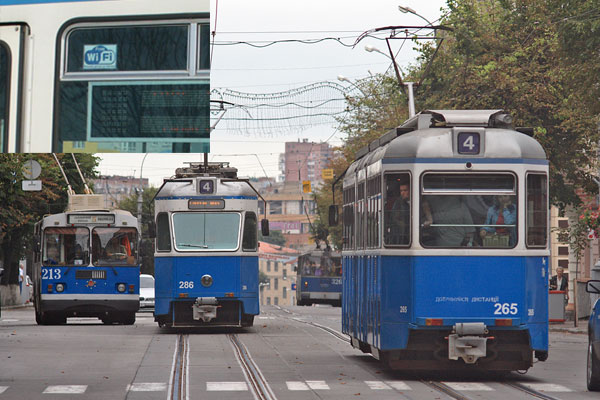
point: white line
(226, 386)
(547, 387)
(398, 385)
(65, 389)
(3, 389)
(296, 385)
(187, 367)
(378, 385)
(317, 385)
(9, 320)
(147, 387)
(466, 386)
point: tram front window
(473, 210)
(66, 246)
(318, 266)
(114, 246)
(206, 231)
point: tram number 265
(505, 309)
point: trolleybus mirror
(152, 230)
(333, 215)
(264, 227)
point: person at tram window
(501, 213)
(52, 256)
(319, 271)
(399, 220)
(560, 282)
(453, 214)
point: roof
(269, 248)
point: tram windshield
(468, 210)
(206, 231)
(66, 246)
(319, 265)
(114, 246)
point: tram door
(12, 38)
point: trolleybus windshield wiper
(202, 246)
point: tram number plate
(506, 309)
(186, 284)
(468, 143)
(51, 273)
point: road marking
(65, 389)
(147, 387)
(3, 389)
(317, 385)
(547, 387)
(296, 385)
(378, 385)
(265, 317)
(9, 320)
(226, 386)
(398, 385)
(466, 386)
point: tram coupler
(467, 341)
(205, 308)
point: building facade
(115, 188)
(277, 266)
(305, 161)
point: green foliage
(21, 210)
(275, 237)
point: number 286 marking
(186, 284)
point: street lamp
(409, 10)
(409, 85)
(342, 78)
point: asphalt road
(290, 353)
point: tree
(146, 243)
(21, 209)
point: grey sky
(281, 67)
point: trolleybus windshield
(320, 266)
(468, 210)
(66, 246)
(114, 246)
(196, 231)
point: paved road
(290, 353)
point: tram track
(179, 379)
(257, 383)
(458, 395)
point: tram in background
(206, 257)
(104, 76)
(319, 278)
(445, 226)
(86, 265)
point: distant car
(593, 355)
(146, 291)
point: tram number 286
(186, 284)
(505, 309)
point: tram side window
(250, 238)
(66, 246)
(374, 211)
(4, 93)
(163, 233)
(114, 246)
(397, 209)
(348, 218)
(468, 210)
(537, 210)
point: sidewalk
(568, 327)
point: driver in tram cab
(400, 217)
(119, 248)
(52, 256)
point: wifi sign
(100, 56)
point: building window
(563, 223)
(268, 266)
(564, 264)
(563, 250)
(275, 266)
(276, 301)
(276, 284)
(285, 273)
(284, 292)
(268, 300)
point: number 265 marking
(505, 309)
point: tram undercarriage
(429, 350)
(192, 313)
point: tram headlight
(121, 287)
(60, 287)
(206, 280)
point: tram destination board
(138, 112)
(203, 204)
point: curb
(16, 306)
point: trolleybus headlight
(60, 287)
(206, 280)
(121, 287)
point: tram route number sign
(468, 143)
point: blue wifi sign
(100, 56)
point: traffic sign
(31, 186)
(327, 173)
(306, 187)
(293, 286)
(31, 169)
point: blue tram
(86, 265)
(206, 257)
(445, 258)
(319, 278)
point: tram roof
(189, 187)
(121, 215)
(429, 134)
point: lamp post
(342, 78)
(409, 10)
(409, 85)
(140, 198)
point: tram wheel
(127, 318)
(247, 320)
